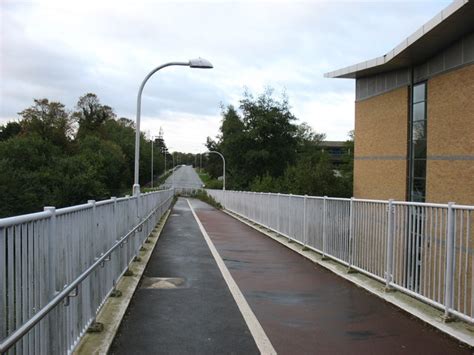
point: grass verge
(204, 197)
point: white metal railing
(57, 267)
(423, 249)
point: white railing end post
(450, 261)
(389, 252)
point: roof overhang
(449, 25)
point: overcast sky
(63, 49)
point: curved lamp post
(198, 63)
(223, 168)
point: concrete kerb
(459, 330)
(114, 309)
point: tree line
(51, 156)
(266, 150)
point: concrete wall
(450, 165)
(380, 167)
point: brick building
(414, 114)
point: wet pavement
(306, 309)
(183, 305)
(184, 177)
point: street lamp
(165, 152)
(223, 168)
(152, 144)
(198, 63)
(172, 181)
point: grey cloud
(108, 48)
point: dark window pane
(419, 149)
(419, 93)
(418, 191)
(419, 168)
(419, 130)
(419, 111)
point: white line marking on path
(261, 339)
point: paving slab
(183, 305)
(306, 309)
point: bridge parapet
(58, 266)
(425, 250)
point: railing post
(389, 256)
(115, 236)
(94, 253)
(136, 241)
(351, 234)
(324, 227)
(51, 257)
(278, 213)
(53, 252)
(305, 241)
(289, 216)
(450, 259)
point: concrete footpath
(184, 304)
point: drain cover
(162, 282)
(175, 215)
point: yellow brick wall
(451, 135)
(380, 179)
(380, 144)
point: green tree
(271, 135)
(27, 174)
(9, 130)
(49, 120)
(91, 115)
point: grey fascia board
(351, 71)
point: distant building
(336, 151)
(414, 114)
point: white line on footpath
(261, 339)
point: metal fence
(423, 249)
(57, 267)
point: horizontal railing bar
(72, 209)
(463, 207)
(420, 204)
(368, 200)
(20, 332)
(25, 218)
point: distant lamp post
(165, 152)
(173, 171)
(152, 158)
(223, 167)
(198, 63)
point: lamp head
(200, 63)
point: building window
(417, 167)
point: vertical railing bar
(324, 226)
(469, 253)
(389, 257)
(351, 233)
(305, 240)
(419, 214)
(459, 215)
(428, 248)
(3, 283)
(449, 274)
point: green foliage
(49, 120)
(209, 182)
(52, 157)
(11, 129)
(203, 196)
(267, 151)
